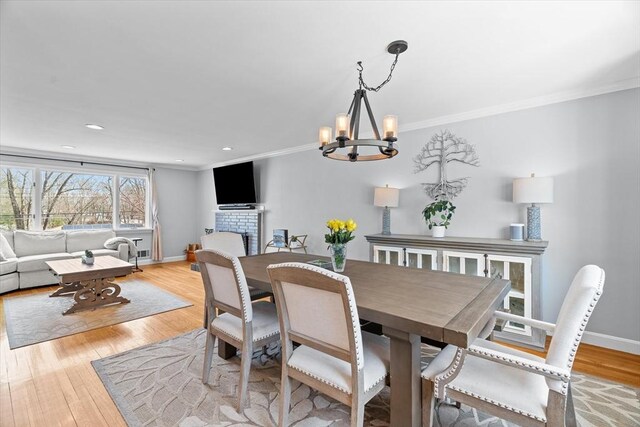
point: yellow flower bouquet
(340, 233)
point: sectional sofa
(32, 248)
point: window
(72, 200)
(46, 199)
(16, 188)
(133, 202)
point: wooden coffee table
(92, 286)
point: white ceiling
(180, 80)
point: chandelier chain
(376, 89)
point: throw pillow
(5, 248)
(2, 257)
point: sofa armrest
(123, 252)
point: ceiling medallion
(348, 125)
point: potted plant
(337, 238)
(438, 216)
(87, 258)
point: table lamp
(533, 190)
(388, 198)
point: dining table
(409, 303)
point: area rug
(37, 318)
(159, 385)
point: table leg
(406, 391)
(96, 293)
(226, 350)
(67, 289)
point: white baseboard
(611, 342)
(165, 259)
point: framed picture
(280, 238)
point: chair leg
(570, 414)
(285, 399)
(245, 367)
(357, 415)
(428, 400)
(208, 355)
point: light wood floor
(53, 383)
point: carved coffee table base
(91, 294)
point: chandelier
(348, 125)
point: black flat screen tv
(234, 184)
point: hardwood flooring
(53, 383)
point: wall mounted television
(234, 184)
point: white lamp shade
(533, 190)
(386, 196)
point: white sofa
(33, 248)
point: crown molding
(468, 115)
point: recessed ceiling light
(179, 160)
(94, 127)
(227, 149)
(68, 147)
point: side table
(135, 241)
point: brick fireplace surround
(242, 221)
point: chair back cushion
(225, 282)
(39, 242)
(88, 239)
(320, 306)
(584, 292)
(228, 242)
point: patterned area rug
(159, 385)
(37, 318)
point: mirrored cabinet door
(518, 271)
(388, 255)
(421, 258)
(463, 263)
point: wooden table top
(103, 266)
(446, 307)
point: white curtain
(156, 242)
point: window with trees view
(133, 201)
(68, 200)
(16, 190)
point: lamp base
(386, 221)
(533, 224)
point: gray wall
(178, 201)
(590, 146)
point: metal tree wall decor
(444, 148)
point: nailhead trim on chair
(583, 326)
(240, 339)
(245, 297)
(501, 405)
(351, 299)
(447, 374)
(322, 380)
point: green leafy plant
(88, 254)
(439, 213)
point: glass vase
(338, 256)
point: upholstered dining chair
(233, 244)
(317, 309)
(243, 324)
(511, 384)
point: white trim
(165, 259)
(468, 115)
(276, 153)
(614, 343)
